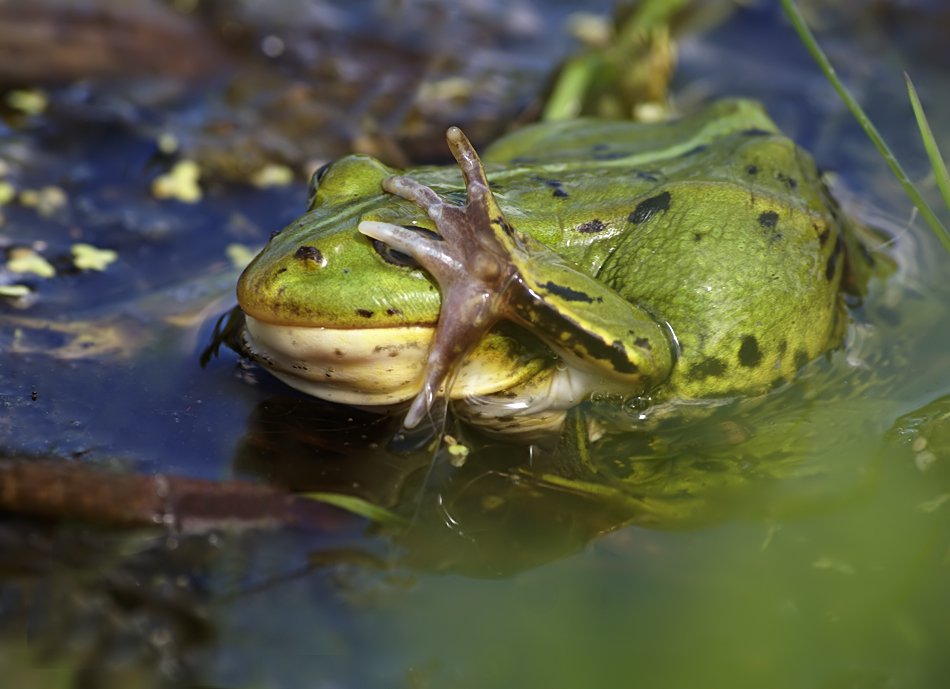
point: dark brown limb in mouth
(468, 260)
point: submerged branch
(64, 490)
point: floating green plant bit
(808, 39)
(357, 506)
(89, 257)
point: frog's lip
(371, 366)
(384, 367)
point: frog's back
(598, 143)
(717, 224)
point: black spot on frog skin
(752, 169)
(697, 236)
(569, 294)
(591, 227)
(750, 355)
(756, 132)
(768, 219)
(364, 313)
(280, 270)
(789, 182)
(556, 186)
(643, 343)
(503, 224)
(308, 253)
(710, 367)
(620, 356)
(801, 359)
(393, 312)
(823, 237)
(649, 207)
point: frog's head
(321, 272)
(345, 318)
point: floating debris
(29, 101)
(26, 260)
(180, 183)
(89, 257)
(47, 201)
(458, 452)
(7, 193)
(14, 291)
(167, 143)
(273, 175)
(240, 255)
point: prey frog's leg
(471, 266)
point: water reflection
(147, 603)
(509, 507)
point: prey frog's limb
(487, 270)
(472, 269)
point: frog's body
(689, 260)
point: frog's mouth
(375, 366)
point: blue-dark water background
(822, 566)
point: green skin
(702, 258)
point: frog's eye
(398, 258)
(315, 182)
(393, 257)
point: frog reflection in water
(674, 263)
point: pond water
(801, 542)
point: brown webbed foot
(469, 259)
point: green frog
(668, 265)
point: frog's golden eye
(315, 182)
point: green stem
(824, 64)
(930, 143)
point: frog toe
(429, 250)
(411, 190)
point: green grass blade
(357, 506)
(808, 39)
(930, 144)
